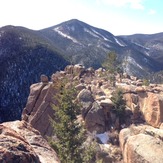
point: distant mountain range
(85, 44)
(26, 54)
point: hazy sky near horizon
(120, 17)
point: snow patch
(106, 45)
(107, 146)
(141, 46)
(147, 53)
(90, 32)
(117, 41)
(65, 35)
(104, 137)
(1, 33)
(120, 84)
(132, 61)
(100, 35)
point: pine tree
(70, 134)
(112, 66)
(119, 104)
(111, 63)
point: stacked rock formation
(144, 107)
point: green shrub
(119, 104)
(146, 82)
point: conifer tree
(119, 104)
(70, 134)
(111, 63)
(112, 66)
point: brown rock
(58, 75)
(146, 148)
(134, 78)
(76, 69)
(152, 85)
(107, 103)
(139, 83)
(86, 99)
(141, 144)
(19, 142)
(38, 109)
(157, 89)
(153, 109)
(95, 119)
(99, 71)
(80, 87)
(139, 89)
(131, 100)
(91, 70)
(69, 69)
(149, 104)
(97, 92)
(126, 81)
(125, 75)
(127, 88)
(161, 126)
(85, 95)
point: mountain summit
(88, 45)
(26, 54)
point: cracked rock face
(19, 142)
(150, 103)
(39, 108)
(138, 144)
(13, 147)
(142, 144)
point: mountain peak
(25, 53)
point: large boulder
(141, 144)
(19, 142)
(38, 110)
(95, 119)
(107, 103)
(149, 103)
(86, 99)
(74, 69)
(13, 147)
(152, 109)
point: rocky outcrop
(19, 142)
(141, 144)
(13, 147)
(147, 101)
(95, 119)
(38, 110)
(76, 69)
(39, 107)
(86, 99)
(94, 93)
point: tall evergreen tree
(111, 63)
(112, 66)
(119, 104)
(70, 134)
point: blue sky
(120, 17)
